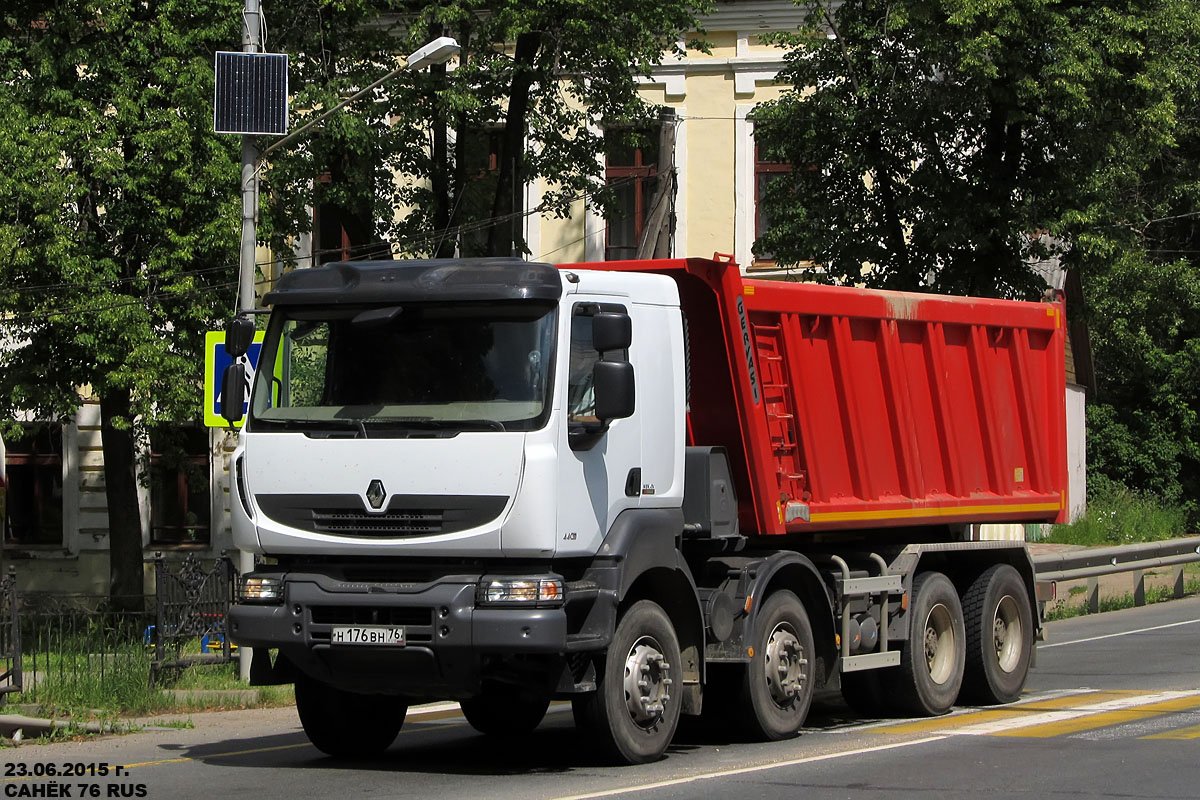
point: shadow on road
(452, 747)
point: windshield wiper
(341, 422)
(429, 423)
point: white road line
(1061, 715)
(1122, 633)
(745, 770)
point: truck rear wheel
(635, 709)
(999, 625)
(345, 724)
(931, 661)
(506, 710)
(778, 686)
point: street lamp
(439, 51)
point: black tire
(348, 725)
(632, 723)
(777, 687)
(864, 692)
(506, 710)
(932, 658)
(999, 625)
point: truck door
(599, 467)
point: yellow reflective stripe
(902, 513)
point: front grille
(370, 615)
(344, 522)
(405, 515)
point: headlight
(540, 592)
(260, 589)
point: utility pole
(251, 43)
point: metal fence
(191, 603)
(60, 649)
(10, 637)
(1093, 563)
(75, 647)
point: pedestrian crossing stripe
(1090, 717)
(1183, 734)
(1056, 716)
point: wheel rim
(647, 682)
(940, 647)
(785, 665)
(1007, 633)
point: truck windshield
(403, 368)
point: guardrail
(1094, 562)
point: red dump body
(847, 408)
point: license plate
(380, 635)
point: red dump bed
(852, 408)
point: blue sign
(215, 362)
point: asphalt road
(1112, 710)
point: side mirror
(233, 392)
(239, 333)
(611, 331)
(612, 382)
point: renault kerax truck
(651, 488)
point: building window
(179, 485)
(765, 173)
(34, 467)
(631, 176)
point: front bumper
(449, 640)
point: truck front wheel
(778, 685)
(345, 724)
(999, 623)
(635, 709)
(931, 661)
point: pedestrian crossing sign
(215, 362)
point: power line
(376, 248)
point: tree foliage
(117, 221)
(934, 142)
(526, 99)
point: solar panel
(251, 94)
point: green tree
(532, 88)
(933, 142)
(118, 222)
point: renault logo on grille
(376, 494)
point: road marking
(647, 787)
(1095, 715)
(1121, 633)
(1022, 709)
(1181, 734)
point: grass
(1154, 594)
(83, 680)
(1120, 516)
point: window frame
(43, 463)
(640, 173)
(186, 500)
